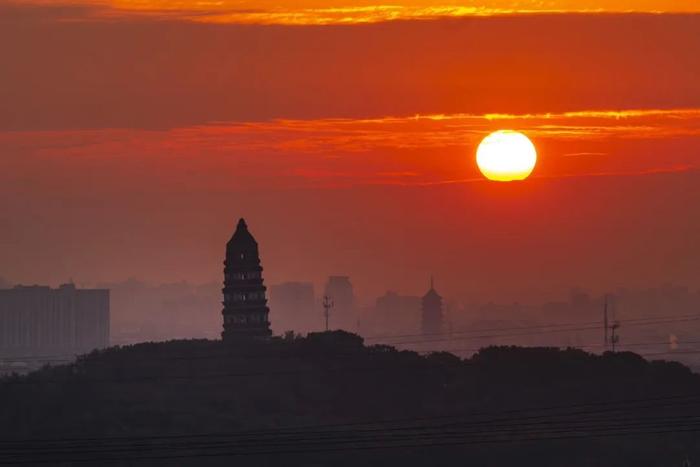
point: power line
(370, 435)
(528, 413)
(583, 347)
(552, 331)
(420, 439)
(661, 319)
(554, 424)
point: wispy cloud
(602, 114)
(328, 136)
(323, 12)
(361, 15)
(582, 154)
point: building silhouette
(294, 305)
(245, 303)
(343, 314)
(41, 321)
(432, 311)
(396, 314)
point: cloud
(324, 12)
(349, 15)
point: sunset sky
(135, 133)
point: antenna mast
(327, 305)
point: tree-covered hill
(328, 399)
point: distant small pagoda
(245, 302)
(432, 311)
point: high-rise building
(432, 311)
(245, 302)
(41, 321)
(343, 314)
(295, 307)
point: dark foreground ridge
(328, 399)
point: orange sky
(129, 147)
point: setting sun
(506, 156)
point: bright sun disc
(505, 156)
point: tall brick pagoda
(245, 302)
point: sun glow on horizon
(506, 156)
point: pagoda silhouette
(245, 302)
(431, 311)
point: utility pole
(614, 338)
(327, 305)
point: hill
(329, 399)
